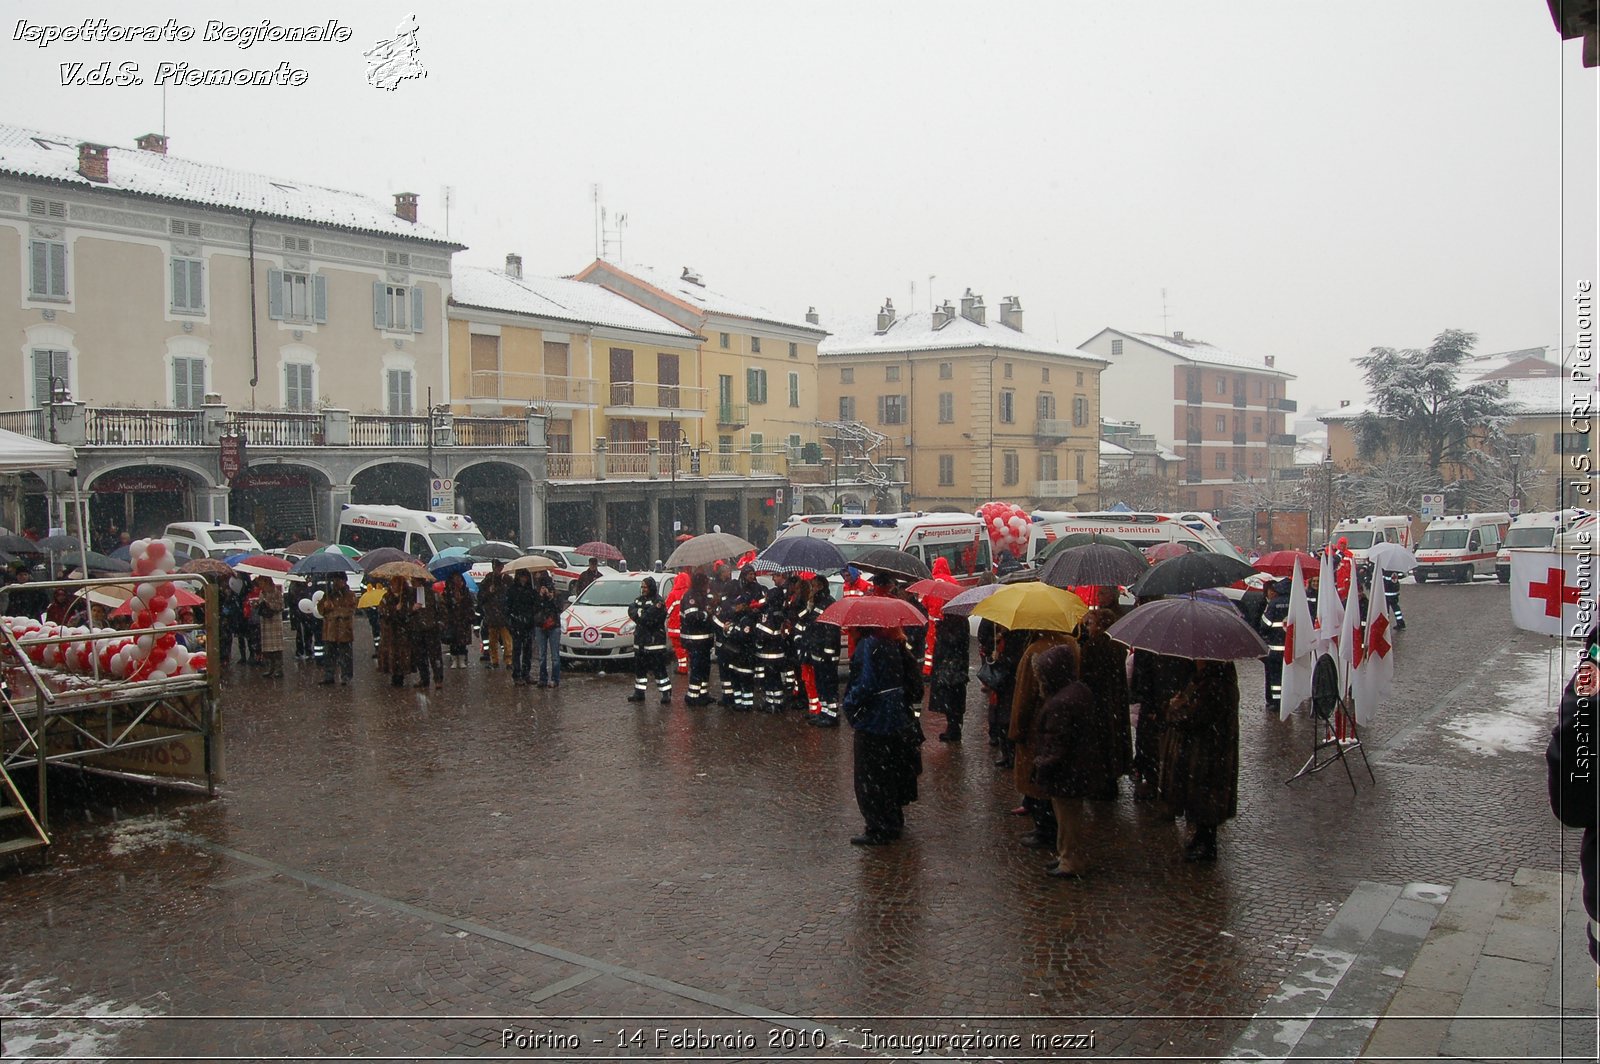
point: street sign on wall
(442, 495)
(1432, 506)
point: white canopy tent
(24, 454)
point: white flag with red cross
(1374, 664)
(1330, 608)
(1552, 594)
(1299, 649)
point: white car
(570, 565)
(596, 626)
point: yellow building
(757, 369)
(982, 409)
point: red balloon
(156, 551)
(166, 640)
(144, 619)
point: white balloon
(179, 653)
(119, 666)
(318, 596)
(144, 643)
(306, 607)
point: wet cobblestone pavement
(452, 864)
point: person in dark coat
(590, 574)
(521, 606)
(337, 609)
(697, 626)
(1271, 624)
(819, 652)
(1103, 668)
(1008, 647)
(547, 607)
(427, 623)
(650, 654)
(26, 601)
(458, 611)
(1074, 756)
(772, 649)
(492, 603)
(1027, 697)
(1154, 681)
(952, 643)
(394, 621)
(886, 755)
(1200, 754)
(1570, 772)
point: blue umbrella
(452, 552)
(443, 567)
(233, 559)
(796, 554)
(122, 554)
(320, 564)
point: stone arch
(491, 492)
(814, 504)
(280, 500)
(142, 497)
(391, 481)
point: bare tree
(1390, 486)
(1138, 490)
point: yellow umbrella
(1033, 607)
(371, 597)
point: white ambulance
(1540, 531)
(1461, 546)
(1363, 533)
(1199, 531)
(960, 539)
(417, 532)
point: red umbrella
(596, 549)
(873, 611)
(263, 565)
(938, 590)
(180, 598)
(1162, 551)
(1281, 563)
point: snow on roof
(1526, 396)
(555, 297)
(706, 299)
(52, 157)
(1111, 450)
(915, 332)
(1169, 455)
(1202, 352)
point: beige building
(981, 409)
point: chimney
(943, 315)
(1272, 360)
(405, 206)
(514, 266)
(972, 308)
(812, 316)
(1177, 334)
(1011, 313)
(92, 160)
(885, 316)
(692, 276)
(156, 142)
(1343, 403)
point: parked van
(1461, 546)
(206, 539)
(824, 525)
(416, 532)
(1363, 533)
(1539, 531)
(1199, 531)
(960, 539)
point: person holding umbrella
(269, 609)
(587, 577)
(427, 622)
(522, 614)
(394, 642)
(492, 604)
(1200, 754)
(458, 611)
(878, 706)
(337, 608)
(649, 616)
(547, 607)
(1103, 668)
(1028, 697)
(952, 643)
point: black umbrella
(17, 544)
(1189, 628)
(491, 550)
(382, 556)
(1194, 571)
(323, 564)
(797, 554)
(890, 562)
(94, 561)
(59, 543)
(1093, 565)
(1078, 539)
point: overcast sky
(1305, 180)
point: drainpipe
(255, 353)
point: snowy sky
(1305, 180)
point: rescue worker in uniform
(772, 648)
(680, 587)
(1391, 591)
(737, 653)
(1273, 618)
(699, 629)
(649, 616)
(820, 659)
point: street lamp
(672, 521)
(1516, 502)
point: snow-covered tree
(1138, 490)
(1389, 486)
(1419, 407)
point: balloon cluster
(154, 655)
(1007, 524)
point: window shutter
(380, 312)
(180, 286)
(58, 269)
(319, 299)
(41, 267)
(883, 405)
(197, 285)
(275, 294)
(416, 308)
(750, 386)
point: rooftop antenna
(599, 224)
(611, 235)
(931, 277)
(163, 109)
(449, 194)
(1164, 330)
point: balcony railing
(1283, 439)
(655, 396)
(1056, 489)
(1283, 404)
(388, 430)
(24, 422)
(1193, 476)
(733, 415)
(110, 426)
(1238, 399)
(768, 463)
(1192, 436)
(278, 428)
(491, 432)
(1239, 439)
(1053, 428)
(532, 388)
(1192, 397)
(573, 466)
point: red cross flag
(1374, 671)
(1299, 649)
(1552, 593)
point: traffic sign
(1432, 506)
(442, 486)
(1514, 507)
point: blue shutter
(319, 299)
(416, 308)
(380, 313)
(275, 294)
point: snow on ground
(1515, 716)
(141, 833)
(45, 1021)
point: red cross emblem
(1555, 592)
(1378, 644)
(1288, 641)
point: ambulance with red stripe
(1460, 547)
(960, 539)
(1198, 531)
(1550, 530)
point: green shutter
(416, 308)
(275, 294)
(380, 310)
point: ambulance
(1361, 534)
(1199, 531)
(960, 539)
(417, 532)
(1461, 546)
(1548, 530)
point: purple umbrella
(962, 604)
